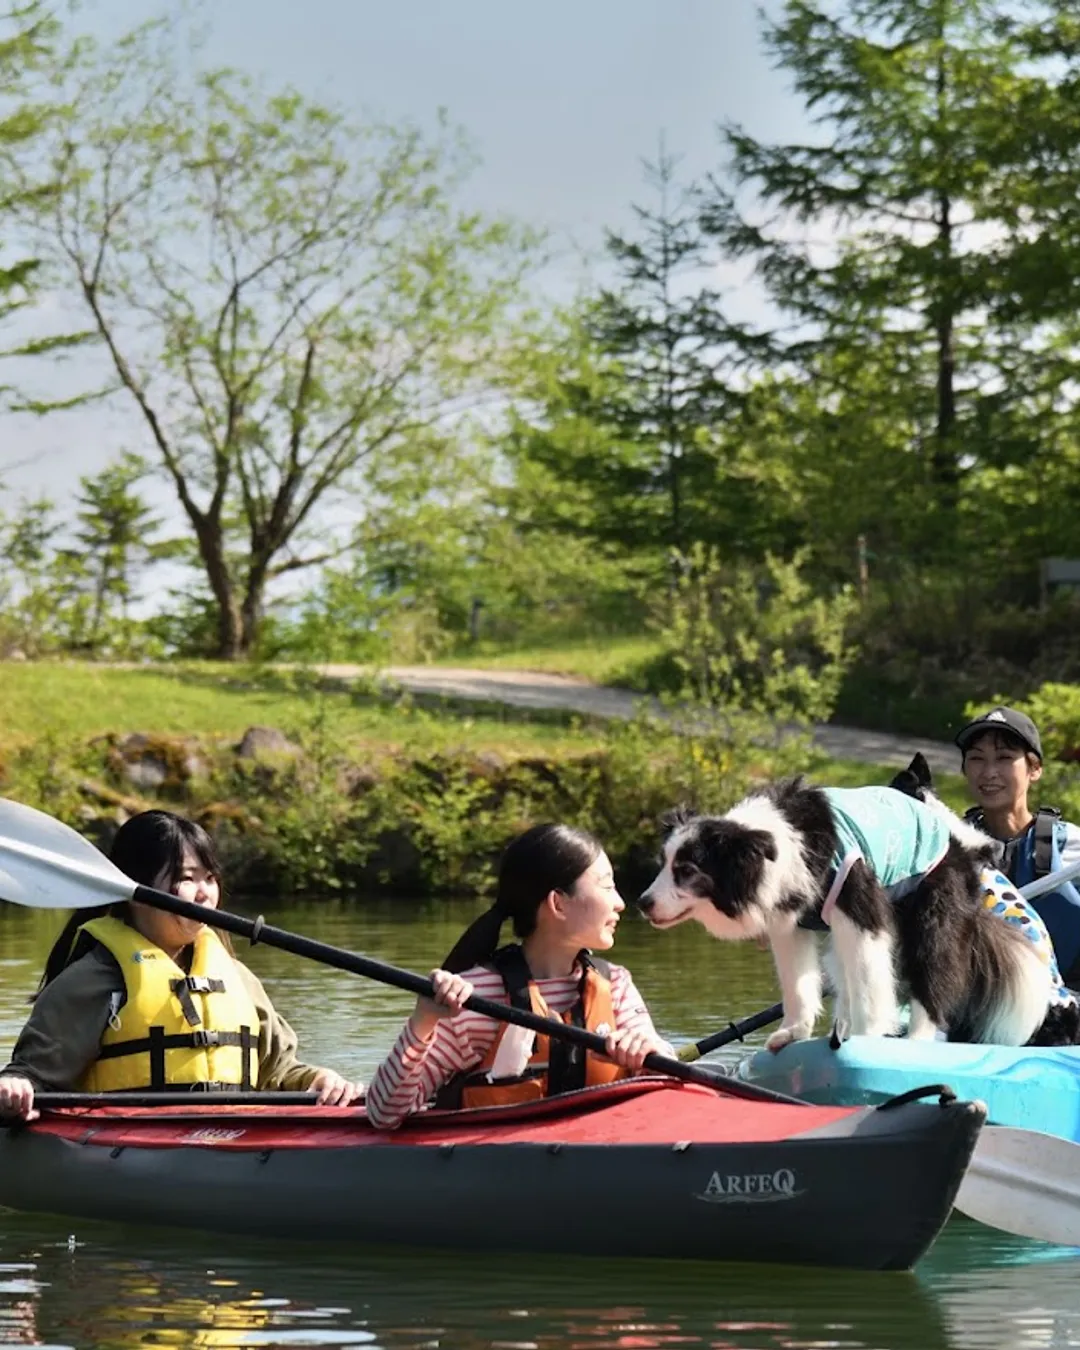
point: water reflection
(177, 1292)
(109, 1285)
(91, 1285)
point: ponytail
(545, 858)
(479, 942)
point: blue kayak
(1027, 1087)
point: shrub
(757, 638)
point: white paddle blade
(47, 865)
(1026, 1183)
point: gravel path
(537, 689)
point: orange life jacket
(553, 1067)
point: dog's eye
(682, 872)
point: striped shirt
(414, 1070)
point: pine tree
(629, 451)
(114, 529)
(921, 176)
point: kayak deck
(639, 1112)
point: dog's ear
(921, 769)
(916, 780)
(905, 782)
(736, 864)
(759, 845)
(678, 816)
(737, 850)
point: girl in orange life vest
(557, 888)
(103, 989)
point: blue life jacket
(1034, 854)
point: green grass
(79, 701)
(615, 660)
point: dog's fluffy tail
(1010, 987)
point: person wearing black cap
(1002, 761)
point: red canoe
(642, 1168)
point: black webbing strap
(1046, 818)
(245, 1050)
(158, 1042)
(194, 984)
(567, 1070)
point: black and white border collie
(764, 869)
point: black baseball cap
(1002, 719)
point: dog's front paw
(785, 1036)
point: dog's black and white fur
(764, 868)
(1061, 1023)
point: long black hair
(545, 858)
(149, 848)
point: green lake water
(66, 1283)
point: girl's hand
(334, 1090)
(629, 1048)
(17, 1097)
(451, 993)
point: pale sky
(562, 100)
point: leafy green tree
(29, 33)
(285, 297)
(924, 176)
(43, 604)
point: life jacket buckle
(203, 984)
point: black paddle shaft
(737, 1031)
(258, 930)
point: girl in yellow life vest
(135, 998)
(557, 888)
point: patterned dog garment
(1002, 898)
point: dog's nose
(645, 902)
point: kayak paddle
(1026, 1183)
(734, 1031)
(44, 864)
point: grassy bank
(80, 700)
(348, 789)
(620, 661)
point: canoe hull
(819, 1198)
(1031, 1088)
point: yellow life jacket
(177, 1029)
(553, 1067)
